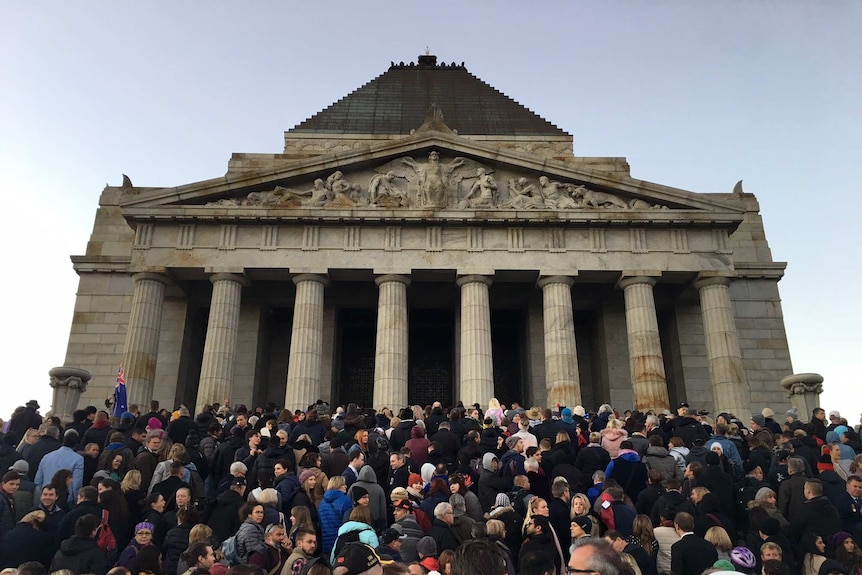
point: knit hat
(502, 500)
(584, 522)
(357, 558)
(759, 419)
(144, 525)
(832, 566)
(724, 565)
(579, 411)
(512, 441)
(715, 444)
(824, 462)
(127, 416)
(766, 412)
(309, 473)
(399, 493)
(358, 493)
(427, 547)
(838, 538)
(763, 493)
(154, 423)
(414, 479)
(566, 415)
(792, 414)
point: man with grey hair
(63, 458)
(47, 443)
(441, 529)
(791, 491)
(595, 555)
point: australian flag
(120, 401)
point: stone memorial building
(428, 238)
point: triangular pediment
(430, 171)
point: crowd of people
(450, 490)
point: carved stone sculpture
(524, 196)
(382, 191)
(556, 195)
(594, 199)
(482, 193)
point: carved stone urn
(804, 390)
(68, 383)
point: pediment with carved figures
(428, 172)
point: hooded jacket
(659, 458)
(628, 471)
(377, 504)
(366, 535)
(490, 483)
(80, 555)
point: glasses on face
(149, 533)
(573, 570)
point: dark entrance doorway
(357, 339)
(431, 357)
(507, 332)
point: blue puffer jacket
(330, 514)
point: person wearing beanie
(427, 550)
(414, 488)
(719, 482)
(367, 483)
(568, 424)
(143, 536)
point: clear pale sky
(694, 95)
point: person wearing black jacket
(687, 427)
(450, 443)
(433, 421)
(815, 515)
(540, 541)
(402, 432)
(87, 504)
(80, 553)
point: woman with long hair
(814, 553)
(114, 502)
(304, 496)
(153, 511)
(112, 468)
(847, 553)
(62, 482)
(163, 469)
(312, 461)
(300, 518)
(643, 535)
(200, 533)
(458, 484)
(580, 507)
(360, 520)
(438, 492)
(720, 540)
(131, 488)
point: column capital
(558, 279)
(156, 277)
(311, 278)
(705, 279)
(222, 276)
(630, 280)
(392, 278)
(473, 278)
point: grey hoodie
(488, 461)
(377, 504)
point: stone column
(390, 357)
(726, 375)
(142, 337)
(217, 368)
(477, 367)
(561, 357)
(645, 359)
(303, 370)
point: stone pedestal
(217, 368)
(561, 356)
(390, 357)
(142, 337)
(68, 384)
(804, 390)
(726, 374)
(477, 367)
(306, 340)
(649, 385)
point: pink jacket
(611, 439)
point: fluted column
(477, 367)
(726, 373)
(561, 356)
(390, 356)
(645, 358)
(217, 368)
(306, 340)
(142, 337)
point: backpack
(106, 540)
(344, 539)
(423, 520)
(228, 549)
